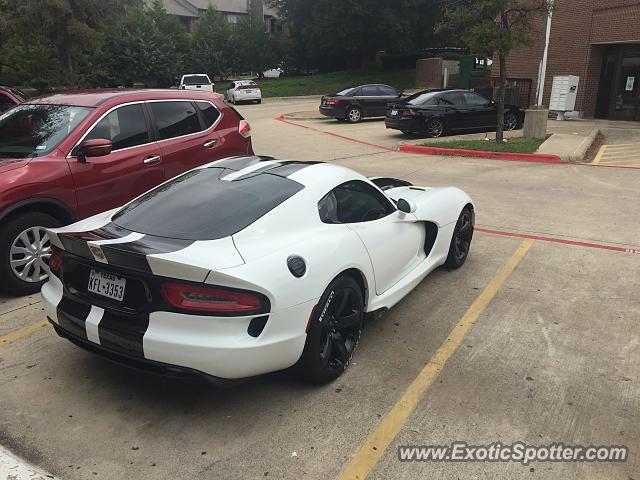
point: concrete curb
(456, 152)
(14, 468)
(580, 153)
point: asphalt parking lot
(535, 339)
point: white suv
(244, 91)
(199, 82)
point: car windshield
(196, 80)
(35, 130)
(421, 98)
(344, 92)
(206, 204)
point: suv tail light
(55, 260)
(214, 300)
(244, 129)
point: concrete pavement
(554, 356)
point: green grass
(323, 84)
(513, 145)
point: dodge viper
(250, 265)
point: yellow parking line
(377, 442)
(23, 332)
(598, 159)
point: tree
(495, 26)
(212, 46)
(150, 46)
(359, 29)
(253, 46)
(69, 26)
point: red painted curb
(562, 241)
(457, 152)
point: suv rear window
(202, 205)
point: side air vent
(432, 234)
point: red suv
(9, 98)
(65, 157)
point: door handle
(152, 160)
(210, 144)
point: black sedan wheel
(435, 128)
(461, 241)
(334, 331)
(354, 115)
(510, 121)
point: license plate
(107, 285)
(249, 91)
(394, 112)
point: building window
(187, 23)
(233, 18)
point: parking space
(625, 154)
(532, 340)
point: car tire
(259, 102)
(232, 100)
(354, 115)
(510, 121)
(435, 128)
(461, 240)
(334, 333)
(14, 235)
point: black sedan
(436, 113)
(355, 103)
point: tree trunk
(502, 92)
(67, 61)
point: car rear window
(203, 205)
(196, 80)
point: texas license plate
(107, 284)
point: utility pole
(542, 72)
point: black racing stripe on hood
(133, 255)
(72, 316)
(123, 334)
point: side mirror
(97, 147)
(407, 206)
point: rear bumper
(405, 123)
(169, 342)
(333, 111)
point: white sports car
(250, 265)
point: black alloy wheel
(334, 331)
(510, 121)
(461, 241)
(435, 128)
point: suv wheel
(24, 252)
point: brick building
(596, 40)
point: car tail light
(408, 112)
(213, 300)
(55, 260)
(213, 87)
(332, 101)
(244, 129)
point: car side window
(125, 126)
(357, 93)
(387, 91)
(5, 102)
(442, 101)
(369, 91)
(455, 98)
(475, 99)
(210, 114)
(354, 202)
(175, 119)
